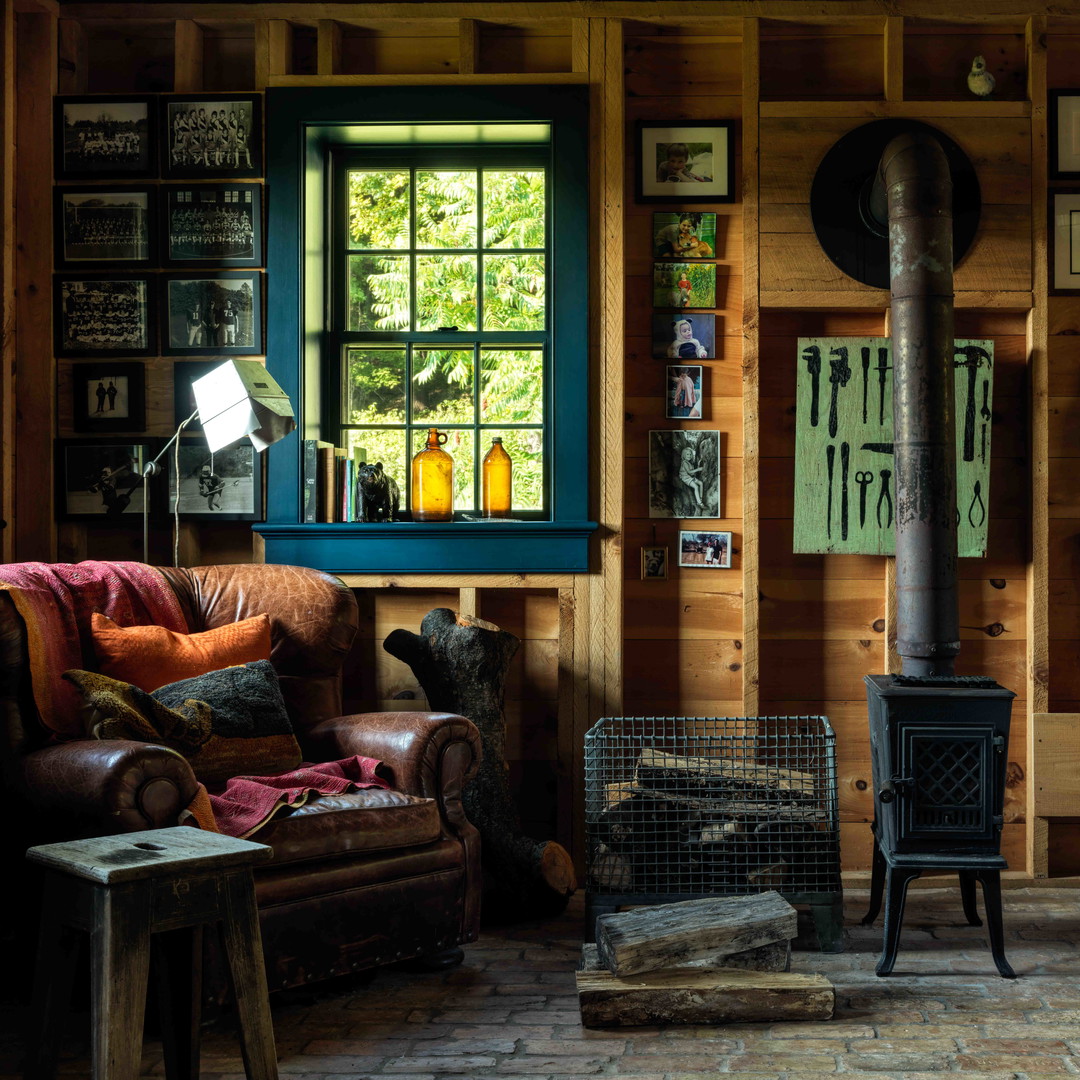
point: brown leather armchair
(356, 880)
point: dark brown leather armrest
(127, 785)
(430, 754)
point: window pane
(379, 208)
(512, 386)
(446, 291)
(459, 445)
(526, 450)
(378, 292)
(443, 386)
(514, 209)
(374, 389)
(446, 209)
(514, 292)
(386, 446)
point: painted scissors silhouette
(864, 478)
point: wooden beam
(8, 293)
(188, 63)
(894, 58)
(579, 44)
(71, 58)
(469, 601)
(468, 46)
(280, 46)
(530, 78)
(329, 47)
(568, 752)
(1055, 765)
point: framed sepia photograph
(212, 225)
(97, 136)
(1064, 233)
(103, 315)
(684, 285)
(683, 392)
(688, 162)
(108, 397)
(225, 485)
(684, 474)
(684, 234)
(103, 225)
(100, 481)
(1064, 130)
(212, 314)
(684, 337)
(654, 563)
(211, 136)
(705, 550)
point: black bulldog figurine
(377, 493)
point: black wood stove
(938, 751)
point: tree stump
(461, 663)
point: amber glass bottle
(496, 481)
(433, 481)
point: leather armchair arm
(430, 754)
(126, 785)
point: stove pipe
(914, 177)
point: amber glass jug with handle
(496, 481)
(433, 481)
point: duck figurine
(980, 81)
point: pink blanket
(248, 801)
(56, 600)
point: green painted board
(847, 424)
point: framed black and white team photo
(211, 136)
(104, 137)
(108, 397)
(103, 315)
(212, 314)
(100, 481)
(104, 226)
(225, 485)
(212, 225)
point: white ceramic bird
(980, 81)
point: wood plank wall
(778, 633)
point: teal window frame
(303, 126)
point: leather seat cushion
(368, 820)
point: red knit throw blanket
(56, 600)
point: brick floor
(510, 1010)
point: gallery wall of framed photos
(159, 256)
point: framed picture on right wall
(1064, 134)
(1064, 242)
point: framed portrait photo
(684, 474)
(687, 162)
(212, 225)
(103, 315)
(654, 563)
(99, 136)
(103, 225)
(211, 136)
(108, 397)
(1064, 134)
(683, 392)
(1064, 242)
(705, 550)
(684, 337)
(226, 485)
(212, 314)
(100, 481)
(684, 234)
(684, 285)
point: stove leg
(991, 883)
(967, 897)
(896, 885)
(877, 885)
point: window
(427, 266)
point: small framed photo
(101, 136)
(226, 485)
(103, 315)
(212, 314)
(1064, 134)
(108, 397)
(684, 337)
(212, 225)
(185, 372)
(688, 162)
(1065, 242)
(100, 481)
(654, 563)
(103, 225)
(683, 392)
(684, 474)
(684, 285)
(711, 550)
(684, 234)
(211, 136)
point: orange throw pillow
(151, 656)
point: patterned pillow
(226, 723)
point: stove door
(949, 782)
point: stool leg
(120, 962)
(877, 885)
(243, 946)
(178, 959)
(991, 883)
(967, 897)
(897, 882)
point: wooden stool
(120, 890)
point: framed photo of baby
(684, 337)
(690, 162)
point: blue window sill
(424, 547)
